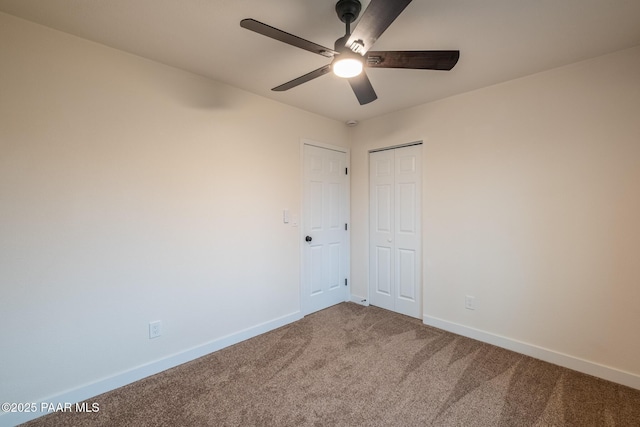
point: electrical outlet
(155, 329)
(470, 302)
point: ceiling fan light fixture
(352, 50)
(347, 66)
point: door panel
(316, 269)
(383, 211)
(334, 265)
(383, 271)
(395, 231)
(335, 206)
(315, 188)
(406, 163)
(406, 274)
(407, 208)
(325, 257)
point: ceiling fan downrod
(348, 11)
(347, 63)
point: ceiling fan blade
(274, 33)
(303, 79)
(362, 88)
(375, 20)
(414, 59)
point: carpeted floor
(362, 366)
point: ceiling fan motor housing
(340, 44)
(348, 10)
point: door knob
(308, 238)
(389, 240)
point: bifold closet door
(395, 238)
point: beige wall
(531, 204)
(129, 192)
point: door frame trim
(301, 232)
(393, 147)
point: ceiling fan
(351, 52)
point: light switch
(285, 216)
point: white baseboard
(605, 372)
(85, 392)
(359, 300)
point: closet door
(395, 237)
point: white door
(325, 235)
(395, 236)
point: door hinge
(345, 227)
(345, 282)
(346, 171)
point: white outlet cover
(155, 329)
(470, 302)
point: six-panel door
(325, 216)
(395, 236)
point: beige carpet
(362, 366)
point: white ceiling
(499, 40)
